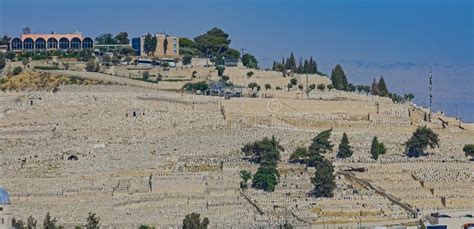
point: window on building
(28, 44)
(87, 43)
(52, 43)
(40, 43)
(75, 43)
(17, 44)
(63, 43)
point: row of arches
(51, 43)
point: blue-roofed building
(5, 214)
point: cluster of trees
(51, 223)
(214, 44)
(377, 148)
(312, 156)
(109, 39)
(198, 86)
(307, 66)
(266, 153)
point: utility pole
(242, 52)
(431, 95)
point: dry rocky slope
(146, 156)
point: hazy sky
(401, 39)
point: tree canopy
(420, 140)
(321, 143)
(266, 151)
(249, 61)
(469, 150)
(266, 178)
(149, 44)
(122, 38)
(323, 180)
(344, 150)
(106, 39)
(339, 78)
(213, 42)
(92, 221)
(193, 221)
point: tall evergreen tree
(323, 180)
(338, 78)
(312, 66)
(345, 150)
(291, 63)
(300, 68)
(383, 91)
(321, 143)
(274, 65)
(306, 66)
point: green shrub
(47, 68)
(17, 70)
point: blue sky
(400, 39)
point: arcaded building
(54, 41)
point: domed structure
(4, 197)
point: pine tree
(383, 91)
(338, 78)
(323, 180)
(344, 148)
(321, 143)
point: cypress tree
(383, 91)
(274, 65)
(374, 148)
(291, 63)
(338, 78)
(306, 66)
(300, 69)
(313, 66)
(323, 180)
(344, 148)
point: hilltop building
(29, 41)
(5, 214)
(166, 46)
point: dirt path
(106, 78)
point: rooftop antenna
(431, 94)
